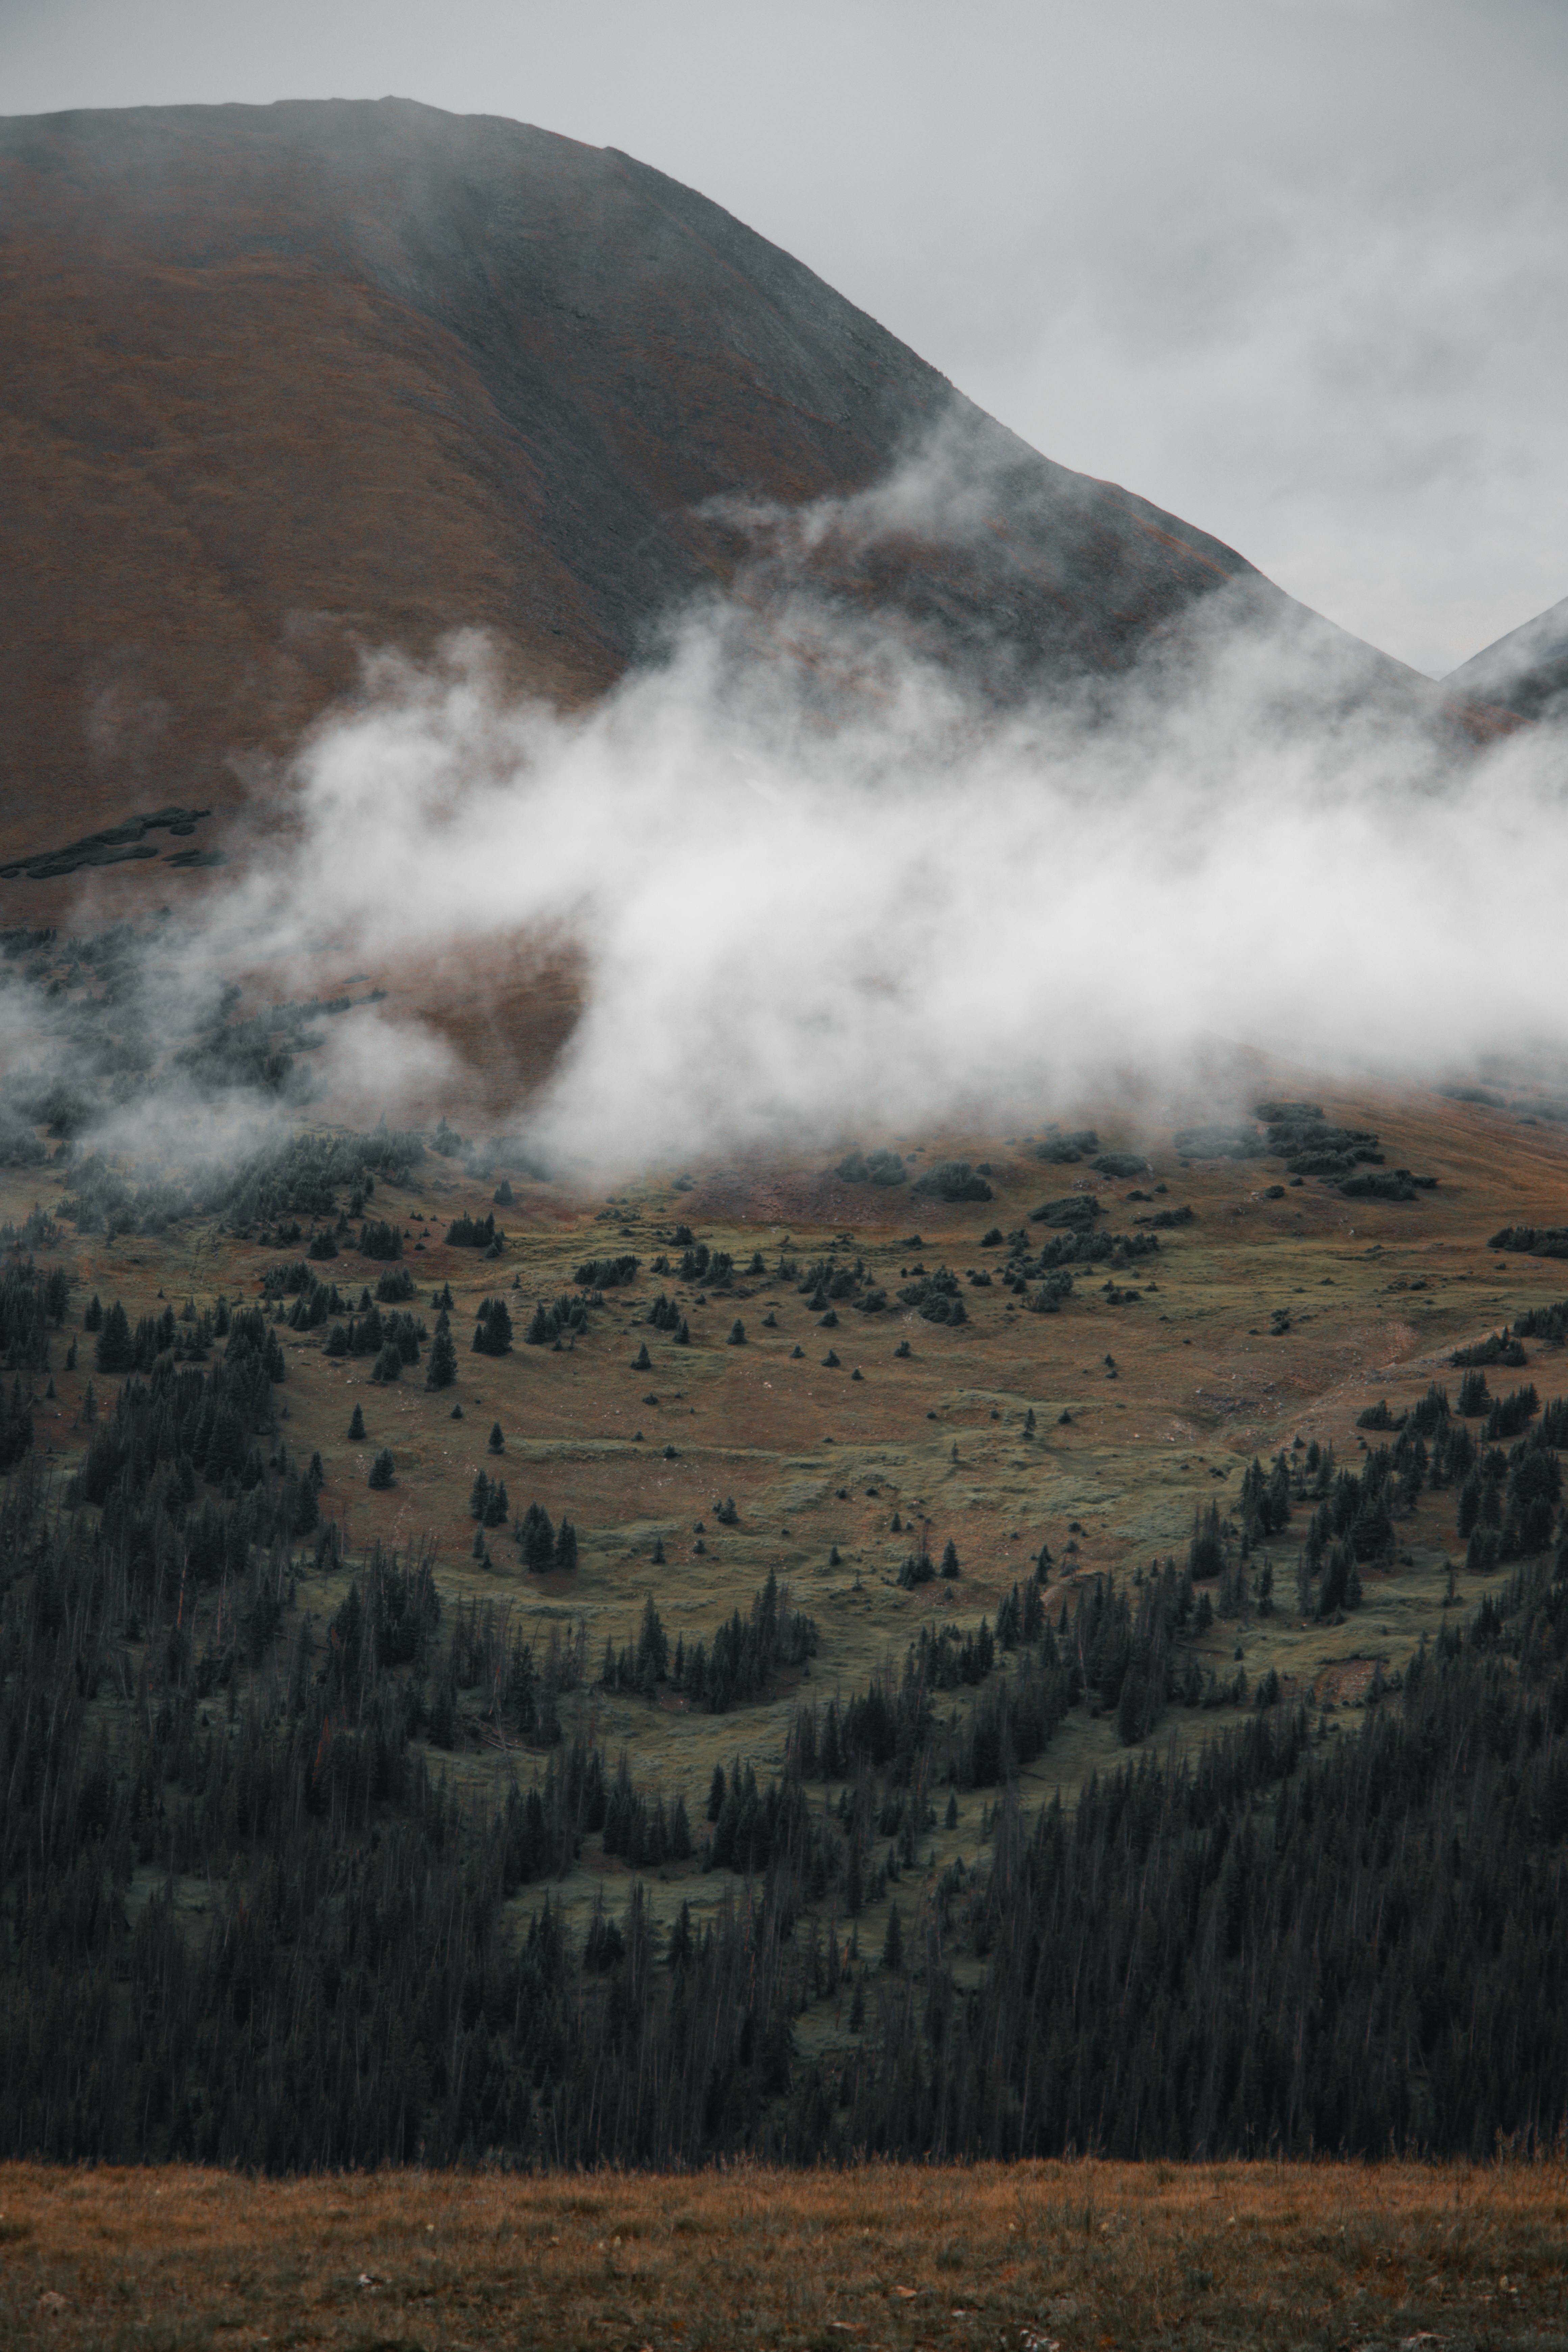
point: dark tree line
(1289, 1941)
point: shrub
(606, 1273)
(1218, 1143)
(1497, 1348)
(1061, 1150)
(1386, 1185)
(1077, 1211)
(1532, 1240)
(471, 1232)
(873, 1167)
(951, 1180)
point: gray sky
(1294, 269)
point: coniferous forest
(1282, 1942)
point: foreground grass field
(1031, 2256)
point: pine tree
(479, 1495)
(492, 1332)
(356, 1421)
(737, 1333)
(893, 1944)
(496, 1443)
(950, 1567)
(642, 1361)
(442, 1369)
(565, 1549)
(115, 1351)
(383, 1473)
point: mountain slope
(1522, 672)
(284, 381)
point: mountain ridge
(290, 382)
(1524, 670)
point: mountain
(1522, 672)
(283, 382)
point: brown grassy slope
(1032, 2256)
(282, 381)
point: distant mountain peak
(286, 382)
(1525, 671)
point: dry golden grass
(1029, 2256)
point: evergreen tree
(115, 1351)
(536, 1537)
(383, 1472)
(356, 1421)
(492, 1335)
(565, 1549)
(893, 1944)
(442, 1369)
(496, 1443)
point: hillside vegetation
(996, 1645)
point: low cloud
(816, 887)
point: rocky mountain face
(284, 382)
(1524, 672)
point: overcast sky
(1293, 268)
